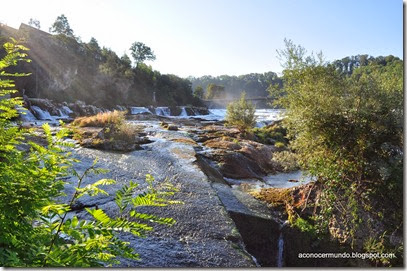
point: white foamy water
(163, 111)
(139, 110)
(264, 116)
(42, 114)
(183, 112)
(25, 114)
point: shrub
(348, 131)
(125, 132)
(271, 134)
(279, 144)
(101, 119)
(241, 114)
(287, 159)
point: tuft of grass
(101, 119)
(274, 196)
(125, 132)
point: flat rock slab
(203, 236)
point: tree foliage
(141, 52)
(241, 114)
(347, 129)
(61, 26)
(34, 23)
(214, 91)
(199, 92)
(68, 70)
(254, 84)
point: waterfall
(25, 114)
(280, 251)
(64, 112)
(41, 114)
(163, 111)
(139, 110)
(183, 112)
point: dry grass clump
(125, 132)
(274, 196)
(101, 119)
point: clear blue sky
(214, 37)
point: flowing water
(183, 112)
(280, 259)
(42, 114)
(25, 114)
(263, 116)
(138, 110)
(163, 111)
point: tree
(93, 45)
(141, 52)
(126, 61)
(214, 91)
(34, 23)
(241, 113)
(346, 127)
(61, 26)
(199, 92)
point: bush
(287, 160)
(241, 114)
(101, 119)
(348, 131)
(271, 134)
(124, 132)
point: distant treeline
(254, 84)
(64, 68)
(258, 84)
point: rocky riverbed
(216, 169)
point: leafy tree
(61, 26)
(35, 23)
(199, 92)
(241, 113)
(347, 130)
(93, 45)
(214, 91)
(141, 52)
(126, 61)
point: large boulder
(109, 138)
(240, 158)
(194, 110)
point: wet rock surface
(204, 235)
(219, 224)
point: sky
(234, 37)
